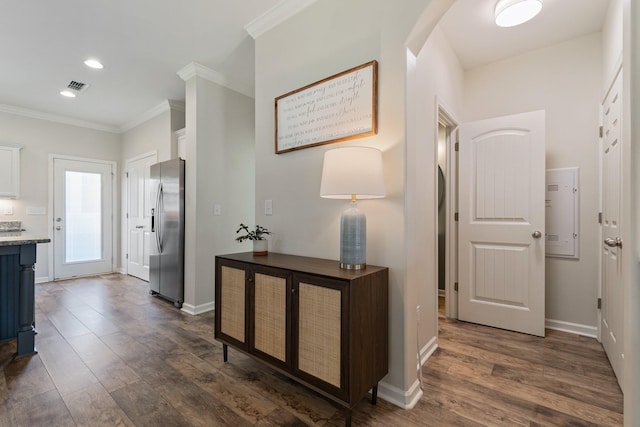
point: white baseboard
(427, 350)
(574, 328)
(121, 270)
(43, 279)
(198, 309)
(404, 399)
(407, 399)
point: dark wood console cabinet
(323, 326)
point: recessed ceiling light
(94, 63)
(67, 93)
(510, 13)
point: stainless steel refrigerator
(166, 255)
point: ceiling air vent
(77, 86)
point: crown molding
(33, 114)
(177, 105)
(164, 106)
(194, 69)
(275, 16)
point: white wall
(439, 79)
(39, 139)
(219, 169)
(631, 210)
(154, 135)
(611, 42)
(566, 81)
(328, 37)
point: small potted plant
(257, 236)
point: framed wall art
(338, 108)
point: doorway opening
(447, 205)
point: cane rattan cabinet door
(320, 332)
(231, 303)
(271, 317)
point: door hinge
(455, 216)
(127, 174)
(599, 303)
(601, 132)
(599, 217)
(127, 215)
(455, 286)
(126, 256)
(457, 146)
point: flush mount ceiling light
(510, 13)
(94, 63)
(67, 93)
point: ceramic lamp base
(353, 238)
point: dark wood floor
(111, 355)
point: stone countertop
(17, 238)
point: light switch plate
(217, 209)
(268, 207)
(8, 210)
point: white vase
(260, 247)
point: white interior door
(83, 218)
(612, 309)
(139, 216)
(501, 222)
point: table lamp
(352, 173)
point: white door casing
(501, 222)
(139, 215)
(612, 309)
(82, 217)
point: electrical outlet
(217, 209)
(268, 207)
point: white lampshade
(510, 13)
(352, 171)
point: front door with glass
(82, 217)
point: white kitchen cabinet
(9, 171)
(182, 143)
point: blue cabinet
(17, 298)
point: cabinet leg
(347, 418)
(374, 395)
(225, 353)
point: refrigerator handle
(153, 220)
(157, 210)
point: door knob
(536, 234)
(58, 228)
(617, 242)
(58, 219)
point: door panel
(139, 216)
(501, 206)
(270, 305)
(83, 216)
(612, 312)
(319, 332)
